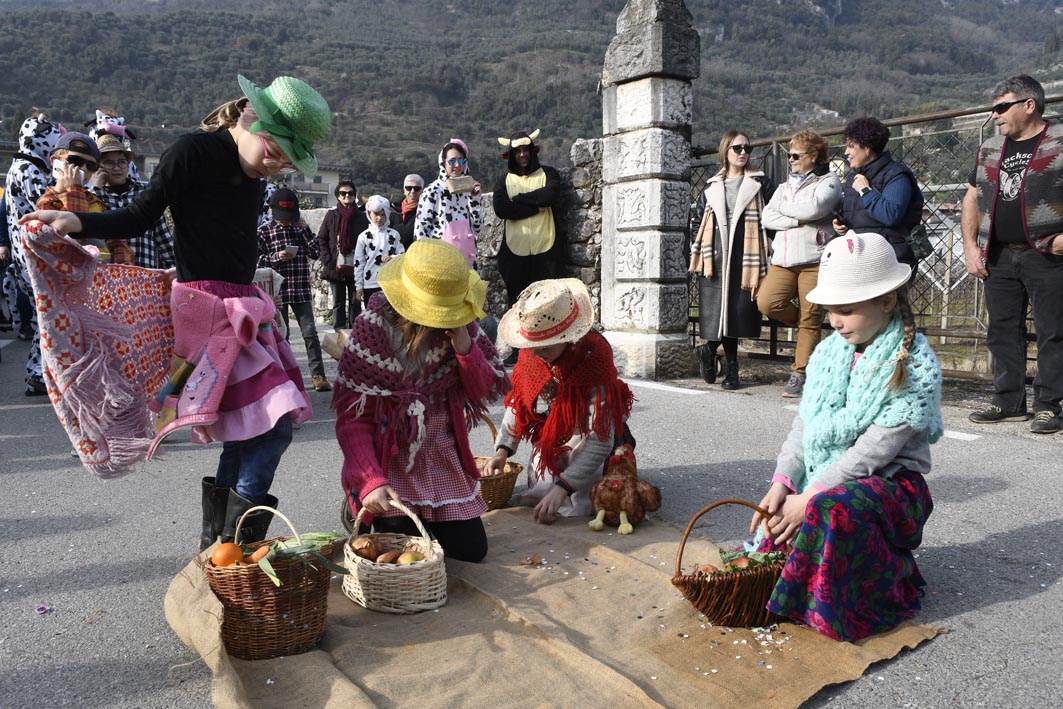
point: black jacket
(328, 241)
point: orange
(227, 554)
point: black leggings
(464, 540)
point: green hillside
(403, 77)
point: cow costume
(27, 180)
(525, 197)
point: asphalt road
(100, 554)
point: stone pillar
(646, 115)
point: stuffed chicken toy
(620, 499)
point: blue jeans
(1016, 279)
(304, 314)
(248, 466)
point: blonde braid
(900, 375)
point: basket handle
(494, 431)
(287, 521)
(399, 506)
(690, 526)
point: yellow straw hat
(432, 285)
(548, 313)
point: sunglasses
(743, 148)
(115, 164)
(345, 193)
(1003, 106)
(273, 162)
(454, 162)
(795, 156)
(90, 165)
(412, 188)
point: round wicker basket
(396, 588)
(497, 489)
(736, 599)
(261, 620)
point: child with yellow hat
(416, 371)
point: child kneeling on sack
(567, 398)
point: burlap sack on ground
(595, 623)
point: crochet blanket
(106, 345)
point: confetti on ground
(41, 610)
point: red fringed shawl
(585, 365)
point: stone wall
(319, 289)
(579, 219)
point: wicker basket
(396, 588)
(262, 620)
(735, 599)
(497, 489)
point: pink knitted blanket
(106, 347)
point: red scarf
(347, 241)
(585, 365)
(408, 205)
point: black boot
(254, 527)
(730, 377)
(707, 361)
(214, 501)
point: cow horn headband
(510, 143)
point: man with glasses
(412, 187)
(116, 188)
(1013, 240)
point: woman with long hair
(730, 256)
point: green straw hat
(294, 114)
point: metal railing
(948, 302)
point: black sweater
(214, 205)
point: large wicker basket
(396, 588)
(497, 489)
(262, 620)
(735, 599)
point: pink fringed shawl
(106, 347)
(370, 369)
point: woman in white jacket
(800, 212)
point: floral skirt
(851, 573)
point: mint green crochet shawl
(840, 401)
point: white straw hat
(857, 267)
(548, 313)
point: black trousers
(519, 272)
(1016, 279)
(464, 540)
